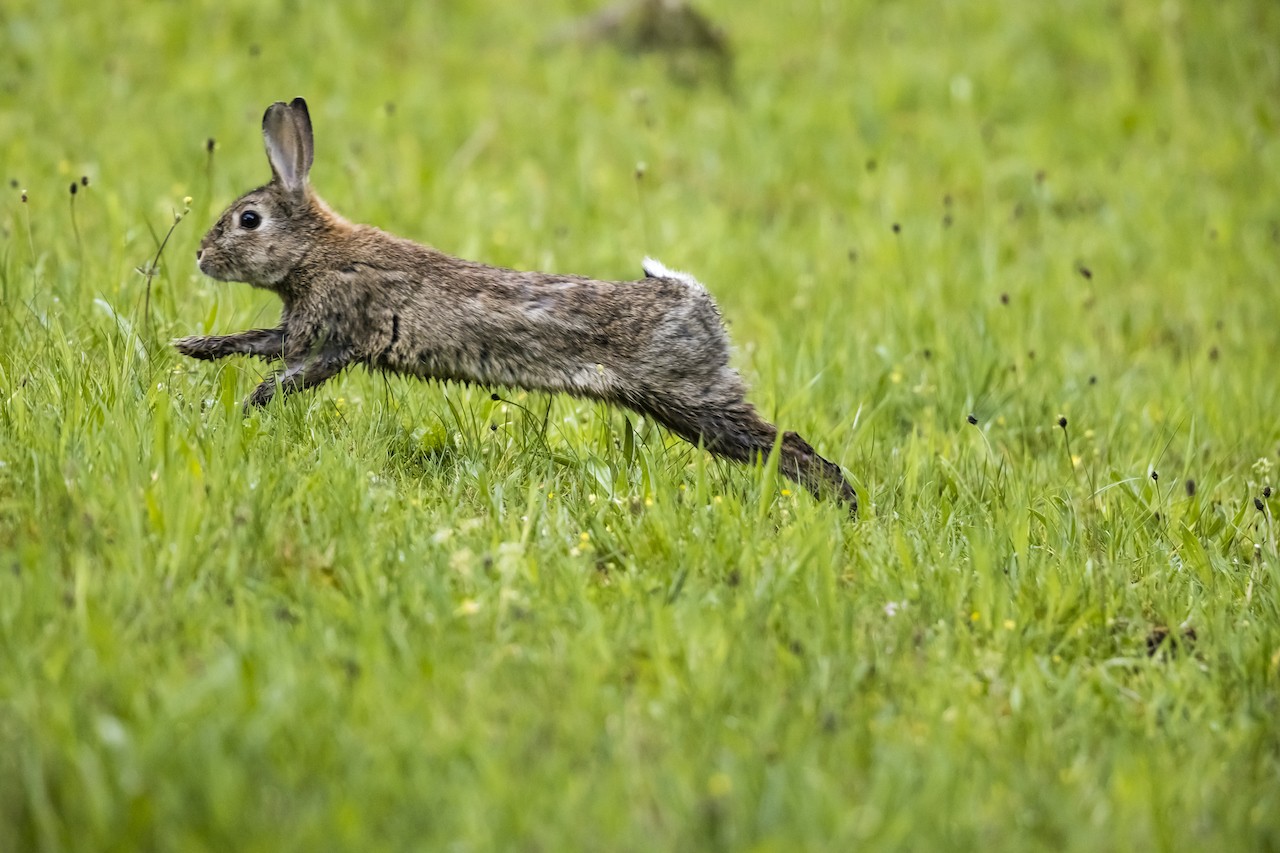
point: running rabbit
(356, 295)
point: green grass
(364, 620)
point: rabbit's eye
(250, 220)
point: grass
(368, 620)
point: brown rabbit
(356, 295)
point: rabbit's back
(447, 318)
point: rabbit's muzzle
(212, 263)
(213, 260)
(202, 262)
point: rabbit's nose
(199, 252)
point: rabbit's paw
(199, 346)
(261, 395)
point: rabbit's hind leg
(735, 431)
(800, 462)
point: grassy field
(399, 616)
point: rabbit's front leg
(299, 375)
(264, 343)
(261, 395)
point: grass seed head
(1257, 502)
(84, 180)
(973, 419)
(74, 187)
(1062, 421)
(208, 144)
(1086, 272)
(897, 229)
(1266, 493)
(1191, 488)
(1155, 476)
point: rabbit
(354, 294)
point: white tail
(656, 269)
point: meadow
(396, 615)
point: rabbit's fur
(356, 295)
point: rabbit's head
(265, 234)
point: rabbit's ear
(302, 118)
(286, 128)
